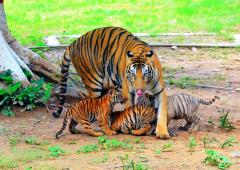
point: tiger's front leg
(73, 123)
(162, 129)
(127, 95)
(103, 122)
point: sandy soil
(206, 65)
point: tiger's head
(116, 96)
(139, 70)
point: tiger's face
(139, 70)
(116, 96)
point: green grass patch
(31, 21)
(104, 144)
(21, 156)
(88, 148)
(14, 140)
(184, 82)
(56, 151)
(216, 159)
(32, 140)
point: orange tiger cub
(93, 109)
(136, 120)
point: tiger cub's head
(144, 100)
(116, 96)
(139, 70)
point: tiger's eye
(130, 54)
(149, 54)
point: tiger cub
(140, 119)
(93, 109)
(135, 120)
(184, 106)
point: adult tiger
(112, 56)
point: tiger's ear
(149, 54)
(129, 54)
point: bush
(38, 92)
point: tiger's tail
(208, 102)
(65, 120)
(63, 82)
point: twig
(216, 87)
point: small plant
(6, 111)
(73, 142)
(88, 148)
(56, 151)
(13, 140)
(102, 139)
(207, 141)
(216, 159)
(28, 168)
(112, 144)
(228, 142)
(157, 151)
(137, 140)
(210, 122)
(167, 147)
(192, 143)
(224, 122)
(128, 164)
(32, 140)
(6, 77)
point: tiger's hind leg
(87, 128)
(142, 131)
(186, 126)
(72, 127)
(91, 132)
(195, 125)
(103, 121)
(73, 123)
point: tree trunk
(9, 62)
(24, 56)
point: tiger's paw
(110, 132)
(163, 136)
(172, 133)
(162, 132)
(97, 134)
(55, 114)
(183, 128)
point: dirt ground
(218, 67)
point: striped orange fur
(93, 109)
(110, 56)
